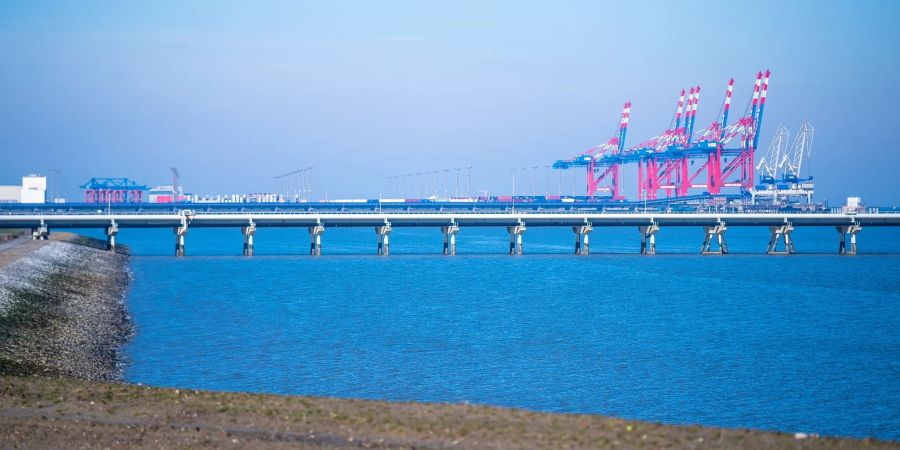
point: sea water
(807, 342)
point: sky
(234, 93)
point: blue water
(806, 343)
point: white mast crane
(792, 161)
(768, 165)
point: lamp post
(418, 194)
(524, 181)
(469, 183)
(434, 188)
(514, 191)
(547, 191)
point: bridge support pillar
(449, 233)
(582, 242)
(852, 230)
(41, 233)
(180, 233)
(515, 238)
(648, 238)
(384, 245)
(111, 232)
(715, 233)
(249, 231)
(315, 240)
(781, 233)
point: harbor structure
(664, 162)
(685, 161)
(113, 190)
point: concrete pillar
(248, 233)
(648, 238)
(715, 233)
(515, 239)
(40, 233)
(781, 233)
(384, 233)
(449, 233)
(111, 232)
(852, 230)
(582, 243)
(180, 233)
(315, 240)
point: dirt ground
(41, 412)
(16, 248)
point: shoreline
(63, 321)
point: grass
(44, 412)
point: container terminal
(685, 168)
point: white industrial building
(32, 190)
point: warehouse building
(32, 190)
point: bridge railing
(525, 212)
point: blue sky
(233, 93)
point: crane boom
(802, 147)
(768, 165)
(176, 179)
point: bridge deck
(404, 219)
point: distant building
(10, 194)
(166, 194)
(235, 198)
(32, 190)
(161, 194)
(854, 205)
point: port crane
(722, 153)
(792, 162)
(788, 162)
(772, 160)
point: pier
(712, 227)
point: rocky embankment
(62, 309)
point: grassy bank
(43, 412)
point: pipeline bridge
(713, 225)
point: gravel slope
(62, 309)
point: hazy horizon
(235, 93)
